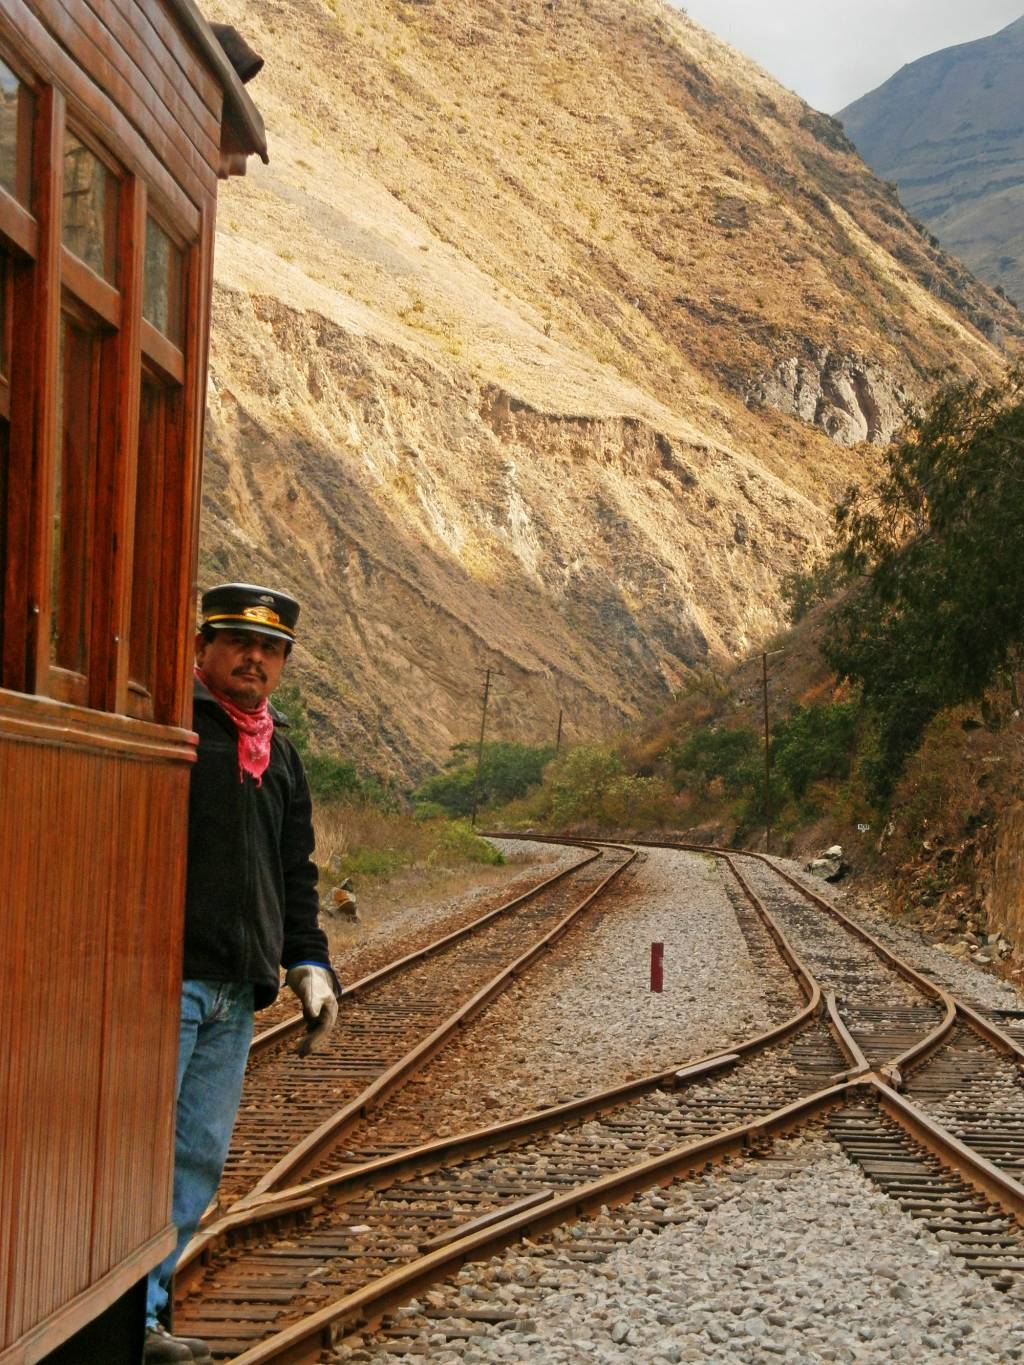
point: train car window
(161, 472)
(9, 87)
(156, 543)
(74, 504)
(162, 283)
(19, 236)
(16, 109)
(89, 209)
(115, 475)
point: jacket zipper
(250, 892)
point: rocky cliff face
(850, 399)
(545, 342)
(949, 130)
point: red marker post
(657, 966)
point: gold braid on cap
(263, 615)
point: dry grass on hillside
(483, 339)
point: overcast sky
(832, 51)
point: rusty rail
(305, 1340)
(287, 1028)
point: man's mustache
(249, 668)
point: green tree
(507, 771)
(579, 780)
(937, 549)
(814, 742)
(712, 754)
(589, 783)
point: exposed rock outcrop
(848, 397)
(482, 331)
(1004, 903)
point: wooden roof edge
(246, 134)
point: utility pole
(558, 736)
(767, 758)
(765, 655)
(480, 746)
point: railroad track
(976, 1227)
(888, 1013)
(389, 1023)
(512, 1299)
(386, 1215)
(384, 1211)
(417, 1115)
(296, 1268)
(958, 1065)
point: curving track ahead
(293, 1111)
(376, 1231)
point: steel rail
(987, 1177)
(427, 1156)
(995, 1184)
(543, 1210)
(861, 1066)
(917, 1052)
(592, 1104)
(991, 1033)
(263, 1208)
(307, 1152)
(927, 1044)
(953, 1008)
(295, 1023)
(303, 1341)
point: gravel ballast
(585, 1018)
(796, 1258)
(962, 978)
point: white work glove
(315, 989)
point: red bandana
(255, 731)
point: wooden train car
(116, 119)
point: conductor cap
(244, 606)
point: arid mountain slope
(545, 341)
(949, 129)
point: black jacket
(251, 901)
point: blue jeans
(215, 1033)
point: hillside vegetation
(547, 340)
(894, 703)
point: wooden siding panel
(152, 79)
(177, 152)
(55, 1105)
(172, 51)
(92, 844)
(142, 1001)
(97, 111)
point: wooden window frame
(51, 279)
(78, 501)
(98, 306)
(152, 697)
(28, 356)
(166, 367)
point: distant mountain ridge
(949, 130)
